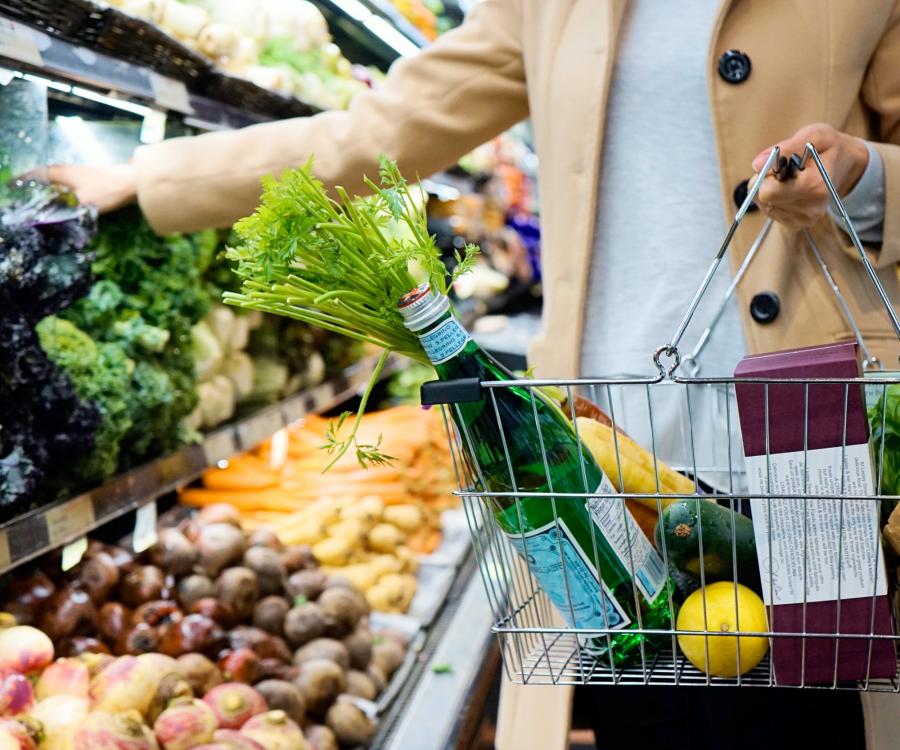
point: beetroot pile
(210, 640)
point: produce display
(281, 45)
(367, 525)
(212, 638)
(49, 427)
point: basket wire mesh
(838, 642)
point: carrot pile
(367, 522)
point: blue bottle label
(445, 341)
(568, 578)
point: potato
(304, 623)
(324, 648)
(320, 681)
(351, 726)
(269, 569)
(343, 608)
(285, 696)
(361, 685)
(320, 737)
(407, 517)
(384, 537)
(333, 551)
(388, 655)
(351, 529)
(359, 645)
(385, 564)
(392, 593)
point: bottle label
(568, 578)
(631, 546)
(445, 341)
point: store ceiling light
(390, 36)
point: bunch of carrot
(278, 482)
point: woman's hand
(800, 202)
(107, 188)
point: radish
(101, 730)
(185, 725)
(59, 715)
(24, 730)
(24, 649)
(233, 703)
(235, 740)
(16, 694)
(64, 677)
(274, 730)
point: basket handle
(783, 170)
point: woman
(648, 119)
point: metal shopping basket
(828, 623)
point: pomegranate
(101, 730)
(185, 725)
(233, 703)
(59, 715)
(235, 740)
(24, 649)
(274, 730)
(16, 694)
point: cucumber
(681, 524)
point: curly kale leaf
(101, 373)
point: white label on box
(839, 535)
(19, 43)
(631, 546)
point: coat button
(734, 66)
(740, 195)
(764, 307)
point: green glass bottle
(564, 541)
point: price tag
(258, 428)
(70, 519)
(278, 448)
(218, 446)
(19, 43)
(145, 535)
(5, 558)
(170, 93)
(73, 552)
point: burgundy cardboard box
(824, 657)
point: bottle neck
(444, 339)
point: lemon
(722, 617)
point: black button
(740, 195)
(734, 66)
(764, 307)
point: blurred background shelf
(35, 533)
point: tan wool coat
(833, 61)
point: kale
(46, 429)
(101, 373)
(149, 292)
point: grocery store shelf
(35, 533)
(211, 99)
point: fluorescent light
(77, 131)
(353, 8)
(136, 109)
(56, 85)
(390, 36)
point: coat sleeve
(433, 108)
(881, 94)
